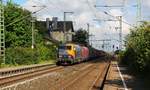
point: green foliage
(19, 33)
(46, 52)
(41, 27)
(81, 37)
(18, 38)
(137, 54)
(27, 56)
(21, 56)
(1, 62)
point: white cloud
(116, 12)
(85, 12)
(146, 2)
(115, 2)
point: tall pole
(120, 32)
(2, 33)
(65, 27)
(65, 31)
(33, 22)
(103, 45)
(88, 31)
(138, 11)
(33, 41)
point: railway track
(92, 78)
(85, 76)
(100, 79)
(10, 72)
(16, 75)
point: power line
(88, 3)
(55, 6)
(37, 2)
(112, 15)
(124, 2)
(108, 6)
(19, 19)
(118, 19)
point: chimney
(47, 24)
(54, 22)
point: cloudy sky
(85, 12)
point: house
(58, 31)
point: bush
(27, 56)
(1, 62)
(21, 56)
(137, 54)
(46, 52)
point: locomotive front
(66, 54)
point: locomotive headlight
(69, 56)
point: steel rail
(97, 82)
(15, 71)
(23, 76)
(88, 70)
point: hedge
(27, 56)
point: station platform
(119, 78)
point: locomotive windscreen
(65, 47)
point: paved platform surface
(118, 78)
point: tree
(18, 36)
(137, 53)
(80, 36)
(19, 33)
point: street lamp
(65, 34)
(33, 21)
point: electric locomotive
(72, 53)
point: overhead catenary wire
(118, 19)
(88, 3)
(56, 6)
(19, 19)
(37, 1)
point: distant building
(55, 30)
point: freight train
(74, 53)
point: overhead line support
(2, 33)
